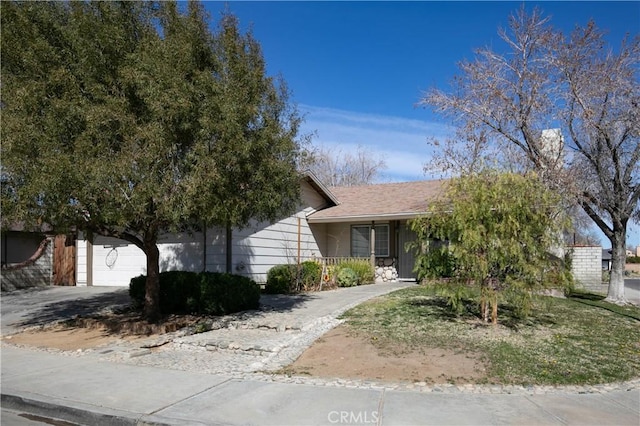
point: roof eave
(320, 187)
(365, 217)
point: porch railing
(380, 261)
(332, 261)
(385, 268)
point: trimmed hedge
(210, 293)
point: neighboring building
(36, 258)
(18, 245)
(586, 266)
(606, 259)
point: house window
(361, 240)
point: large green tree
(505, 101)
(130, 119)
(492, 232)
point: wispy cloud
(401, 142)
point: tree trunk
(484, 310)
(618, 258)
(229, 248)
(152, 286)
(494, 310)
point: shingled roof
(389, 201)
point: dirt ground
(340, 354)
(337, 354)
(66, 339)
(93, 332)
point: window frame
(368, 238)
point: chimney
(552, 147)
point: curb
(76, 415)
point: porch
(385, 268)
(382, 243)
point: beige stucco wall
(338, 240)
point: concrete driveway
(26, 308)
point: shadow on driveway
(67, 309)
(29, 308)
(284, 302)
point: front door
(406, 260)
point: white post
(373, 244)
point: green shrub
(209, 293)
(347, 277)
(437, 264)
(226, 293)
(137, 290)
(310, 274)
(177, 290)
(281, 279)
(633, 259)
(363, 269)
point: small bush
(363, 269)
(329, 279)
(281, 279)
(347, 277)
(209, 293)
(310, 274)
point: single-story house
(330, 223)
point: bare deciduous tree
(502, 101)
(338, 168)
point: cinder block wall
(586, 266)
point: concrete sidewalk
(87, 391)
(224, 386)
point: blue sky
(357, 69)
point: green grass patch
(597, 300)
(563, 341)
